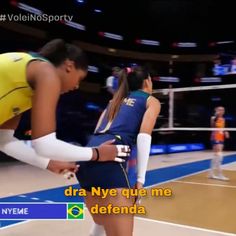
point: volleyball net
(186, 113)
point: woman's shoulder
(154, 104)
(153, 100)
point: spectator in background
(232, 69)
(112, 82)
(218, 69)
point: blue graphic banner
(172, 148)
(28, 211)
(185, 147)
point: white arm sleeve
(143, 152)
(19, 150)
(55, 149)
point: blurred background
(182, 43)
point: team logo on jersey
(16, 111)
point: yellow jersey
(15, 92)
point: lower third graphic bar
(27, 211)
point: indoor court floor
(198, 207)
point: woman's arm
(17, 149)
(226, 133)
(144, 137)
(150, 116)
(213, 121)
(47, 89)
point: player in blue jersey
(129, 119)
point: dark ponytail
(131, 79)
(57, 51)
(121, 93)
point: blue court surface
(153, 177)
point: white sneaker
(212, 176)
(223, 178)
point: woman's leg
(212, 173)
(98, 228)
(12, 123)
(217, 161)
(218, 158)
(114, 224)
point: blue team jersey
(127, 122)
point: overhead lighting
(166, 79)
(148, 42)
(224, 42)
(210, 80)
(175, 56)
(185, 45)
(169, 79)
(97, 10)
(28, 8)
(93, 69)
(110, 35)
(113, 50)
(80, 1)
(92, 106)
(215, 99)
(74, 25)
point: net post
(171, 107)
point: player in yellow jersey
(36, 82)
(217, 139)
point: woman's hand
(68, 169)
(110, 152)
(138, 186)
(227, 134)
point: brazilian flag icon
(75, 211)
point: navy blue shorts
(106, 175)
(214, 142)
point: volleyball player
(31, 81)
(217, 140)
(129, 118)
